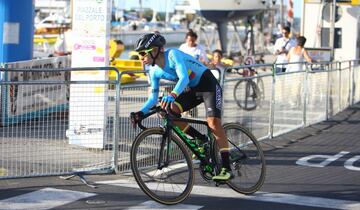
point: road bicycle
(162, 164)
(249, 93)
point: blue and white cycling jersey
(179, 67)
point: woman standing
(297, 55)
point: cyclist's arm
(181, 72)
(152, 100)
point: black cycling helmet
(149, 41)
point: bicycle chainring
(207, 176)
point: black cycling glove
(136, 117)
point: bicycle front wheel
(246, 158)
(165, 173)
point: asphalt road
(317, 167)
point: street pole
(166, 14)
(141, 10)
(17, 31)
(282, 12)
(332, 29)
(302, 29)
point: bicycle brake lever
(132, 119)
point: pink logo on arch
(84, 47)
(98, 59)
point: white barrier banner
(23, 102)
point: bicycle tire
(251, 92)
(158, 183)
(261, 89)
(242, 162)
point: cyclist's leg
(213, 106)
(219, 133)
(185, 102)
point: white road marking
(167, 169)
(349, 164)
(155, 205)
(326, 159)
(46, 198)
(259, 196)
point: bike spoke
(172, 182)
(247, 159)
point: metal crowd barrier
(289, 100)
(267, 103)
(35, 123)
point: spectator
(116, 48)
(216, 62)
(281, 49)
(133, 25)
(297, 55)
(60, 45)
(63, 42)
(216, 66)
(192, 48)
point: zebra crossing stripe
(45, 198)
(160, 172)
(283, 198)
(155, 205)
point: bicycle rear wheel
(246, 94)
(261, 89)
(172, 181)
(246, 158)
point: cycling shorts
(208, 91)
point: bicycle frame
(169, 125)
(193, 146)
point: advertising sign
(91, 34)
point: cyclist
(194, 84)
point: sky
(158, 5)
(297, 8)
(161, 5)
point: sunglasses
(145, 52)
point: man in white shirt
(192, 48)
(63, 42)
(282, 47)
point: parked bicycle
(163, 167)
(249, 93)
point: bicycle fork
(164, 158)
